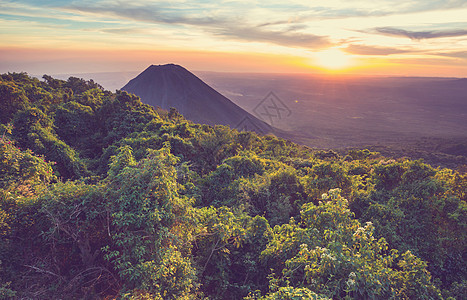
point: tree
(12, 99)
(33, 130)
(331, 254)
(150, 222)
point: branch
(43, 271)
(210, 255)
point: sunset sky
(393, 37)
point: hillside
(103, 197)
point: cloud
(441, 4)
(149, 13)
(285, 38)
(341, 9)
(373, 50)
(418, 35)
(455, 54)
(123, 30)
(231, 27)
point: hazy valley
(418, 117)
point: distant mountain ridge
(172, 85)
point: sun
(332, 59)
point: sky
(376, 37)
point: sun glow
(332, 59)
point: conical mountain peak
(172, 85)
(166, 67)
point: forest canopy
(102, 196)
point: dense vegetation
(102, 196)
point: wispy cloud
(419, 35)
(155, 13)
(123, 30)
(231, 27)
(455, 54)
(289, 38)
(341, 9)
(374, 50)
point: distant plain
(419, 117)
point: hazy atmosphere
(396, 37)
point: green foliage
(23, 176)
(33, 130)
(246, 166)
(6, 292)
(222, 231)
(161, 208)
(78, 226)
(77, 216)
(290, 293)
(123, 159)
(324, 176)
(149, 222)
(213, 146)
(22, 171)
(415, 200)
(331, 254)
(79, 85)
(12, 99)
(73, 121)
(287, 195)
(361, 154)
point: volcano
(172, 85)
